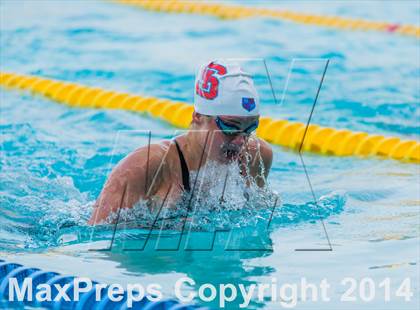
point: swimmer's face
(229, 135)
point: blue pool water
(54, 159)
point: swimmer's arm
(126, 184)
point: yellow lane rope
(235, 11)
(285, 133)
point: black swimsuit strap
(184, 169)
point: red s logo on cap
(207, 86)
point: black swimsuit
(184, 169)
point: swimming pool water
(54, 159)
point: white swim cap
(222, 88)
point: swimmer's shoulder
(259, 145)
(262, 147)
(150, 157)
(266, 149)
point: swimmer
(225, 117)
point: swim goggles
(232, 130)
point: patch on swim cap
(248, 104)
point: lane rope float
(225, 11)
(318, 139)
(86, 299)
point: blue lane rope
(86, 300)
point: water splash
(223, 203)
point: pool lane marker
(87, 299)
(231, 12)
(318, 139)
